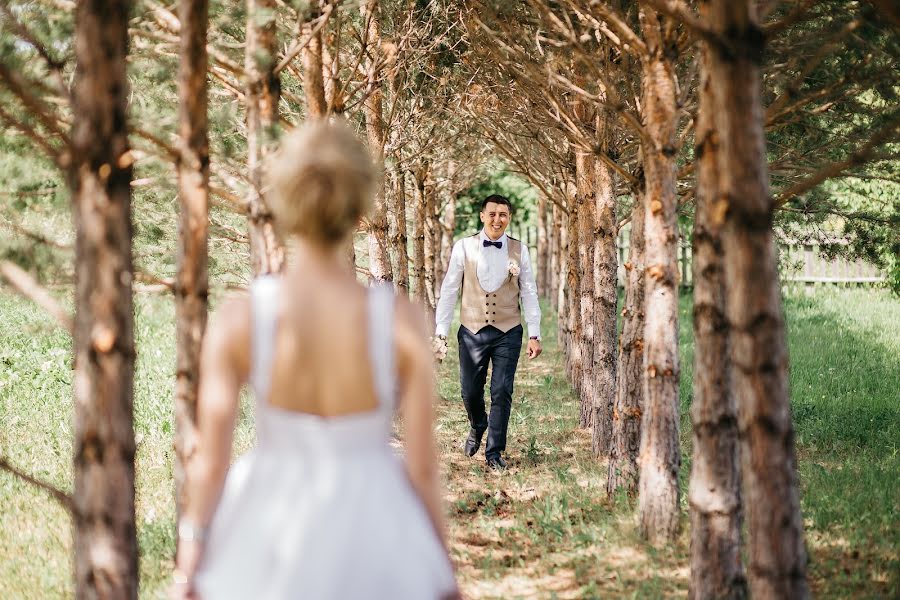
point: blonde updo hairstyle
(321, 182)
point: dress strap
(381, 342)
(264, 303)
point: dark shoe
(473, 442)
(496, 463)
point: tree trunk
(714, 493)
(431, 237)
(332, 90)
(543, 249)
(585, 204)
(626, 417)
(557, 262)
(192, 284)
(262, 97)
(419, 234)
(312, 60)
(379, 257)
(753, 304)
(397, 230)
(605, 293)
(572, 314)
(660, 454)
(448, 226)
(106, 552)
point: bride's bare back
(321, 362)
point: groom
(494, 271)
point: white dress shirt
(492, 271)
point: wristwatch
(534, 337)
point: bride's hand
(189, 554)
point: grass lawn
(544, 528)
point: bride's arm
(224, 367)
(417, 393)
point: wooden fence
(799, 262)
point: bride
(321, 508)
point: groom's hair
(497, 199)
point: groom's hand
(439, 347)
(534, 348)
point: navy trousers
(501, 350)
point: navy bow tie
(487, 243)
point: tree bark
(332, 90)
(714, 493)
(397, 230)
(377, 226)
(626, 417)
(585, 205)
(570, 290)
(432, 237)
(419, 239)
(447, 226)
(192, 284)
(557, 263)
(660, 455)
(753, 304)
(106, 552)
(312, 61)
(262, 97)
(606, 263)
(543, 249)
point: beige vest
(479, 308)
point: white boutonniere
(513, 268)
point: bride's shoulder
(229, 330)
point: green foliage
(874, 232)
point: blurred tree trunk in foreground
(192, 283)
(106, 552)
(262, 94)
(714, 493)
(753, 304)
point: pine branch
(59, 495)
(633, 42)
(298, 45)
(799, 13)
(51, 152)
(36, 236)
(679, 11)
(26, 285)
(14, 83)
(863, 154)
(55, 66)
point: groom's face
(496, 219)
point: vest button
(487, 295)
(495, 295)
(485, 320)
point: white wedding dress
(322, 508)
